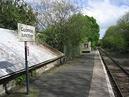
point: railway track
(118, 75)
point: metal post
(26, 68)
(6, 88)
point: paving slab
(84, 76)
(70, 80)
(100, 85)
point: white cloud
(105, 13)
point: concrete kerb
(107, 78)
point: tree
(114, 39)
(117, 36)
(93, 32)
(52, 12)
(65, 28)
(52, 17)
(68, 37)
(123, 23)
(12, 12)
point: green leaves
(68, 36)
(116, 38)
(13, 12)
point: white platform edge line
(107, 78)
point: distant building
(85, 47)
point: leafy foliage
(68, 37)
(20, 80)
(63, 26)
(12, 12)
(117, 36)
(54, 11)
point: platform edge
(110, 89)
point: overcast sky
(106, 12)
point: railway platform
(84, 76)
(100, 84)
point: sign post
(26, 34)
(26, 68)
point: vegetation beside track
(119, 76)
(117, 36)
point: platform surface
(84, 76)
(100, 84)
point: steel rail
(117, 63)
(117, 88)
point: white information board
(26, 32)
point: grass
(20, 92)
